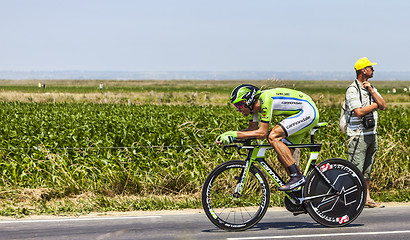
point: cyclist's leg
(284, 154)
(302, 122)
(295, 128)
(295, 151)
(296, 135)
(285, 158)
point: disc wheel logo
(343, 219)
(325, 167)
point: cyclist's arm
(252, 126)
(253, 122)
(259, 133)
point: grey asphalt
(384, 223)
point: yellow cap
(362, 63)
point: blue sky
(203, 35)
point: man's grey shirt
(355, 126)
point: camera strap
(361, 101)
(360, 94)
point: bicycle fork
(251, 157)
(239, 186)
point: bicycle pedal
(299, 212)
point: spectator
(363, 101)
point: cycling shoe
(294, 182)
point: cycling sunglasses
(239, 105)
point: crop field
(71, 148)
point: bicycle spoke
(235, 212)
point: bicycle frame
(236, 194)
(257, 154)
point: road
(385, 223)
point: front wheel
(338, 209)
(227, 210)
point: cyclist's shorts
(297, 126)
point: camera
(368, 120)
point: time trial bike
(236, 195)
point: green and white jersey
(300, 109)
(355, 126)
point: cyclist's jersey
(299, 107)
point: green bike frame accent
(257, 154)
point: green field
(177, 92)
(143, 145)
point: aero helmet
(247, 93)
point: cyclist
(302, 116)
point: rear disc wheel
(342, 208)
